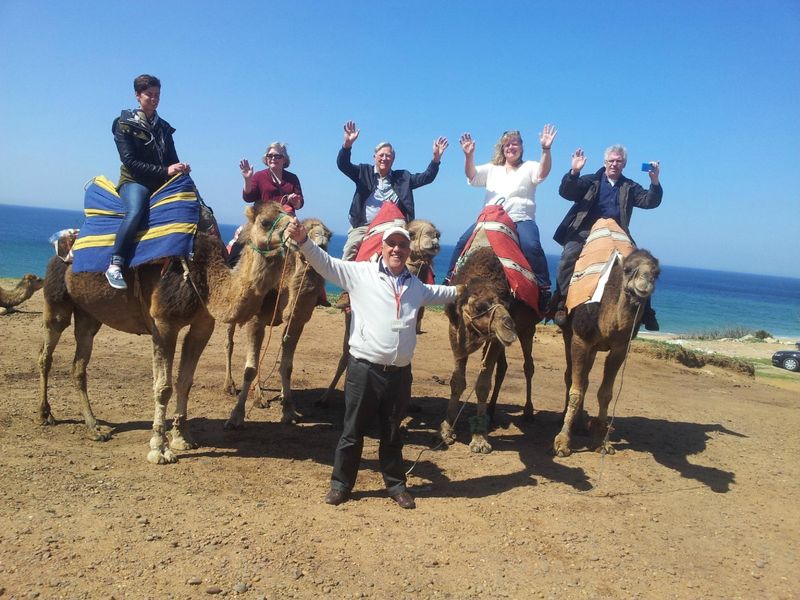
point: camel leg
(528, 368)
(164, 343)
(458, 383)
(86, 327)
(599, 426)
(57, 318)
(499, 377)
(291, 337)
(420, 314)
(479, 423)
(341, 367)
(254, 334)
(229, 385)
(194, 342)
(582, 358)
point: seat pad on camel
(388, 216)
(170, 229)
(606, 243)
(495, 228)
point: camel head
(318, 233)
(32, 282)
(484, 312)
(264, 230)
(424, 241)
(640, 272)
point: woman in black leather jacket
(148, 156)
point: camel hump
(607, 242)
(173, 215)
(495, 229)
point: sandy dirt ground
(699, 501)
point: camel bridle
(271, 251)
(490, 311)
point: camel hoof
(157, 457)
(605, 449)
(290, 418)
(561, 446)
(46, 420)
(447, 433)
(98, 434)
(230, 388)
(179, 442)
(480, 445)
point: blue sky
(710, 89)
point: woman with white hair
(273, 183)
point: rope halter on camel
(274, 251)
(491, 311)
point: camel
(161, 301)
(605, 326)
(27, 287)
(486, 316)
(424, 248)
(299, 291)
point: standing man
(605, 194)
(378, 183)
(385, 298)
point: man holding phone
(604, 194)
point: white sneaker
(115, 278)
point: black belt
(377, 367)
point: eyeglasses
(384, 156)
(274, 156)
(402, 244)
(615, 161)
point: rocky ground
(699, 501)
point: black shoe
(404, 499)
(560, 316)
(649, 320)
(337, 497)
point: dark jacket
(136, 142)
(366, 180)
(583, 191)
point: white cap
(392, 230)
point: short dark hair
(142, 82)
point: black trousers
(371, 392)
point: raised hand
(467, 143)
(440, 144)
(350, 133)
(547, 135)
(245, 168)
(578, 160)
(655, 172)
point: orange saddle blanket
(606, 243)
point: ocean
(687, 301)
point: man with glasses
(378, 183)
(385, 298)
(604, 194)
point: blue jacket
(366, 180)
(583, 191)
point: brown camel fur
(160, 302)
(299, 292)
(605, 326)
(424, 248)
(27, 287)
(486, 315)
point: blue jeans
(530, 244)
(136, 199)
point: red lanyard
(397, 288)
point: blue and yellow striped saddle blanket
(171, 225)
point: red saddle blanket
(606, 243)
(388, 216)
(495, 228)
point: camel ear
(250, 213)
